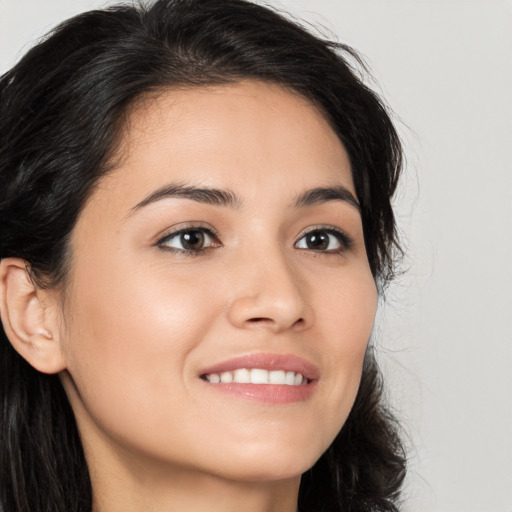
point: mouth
(268, 378)
(257, 376)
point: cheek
(348, 310)
(348, 316)
(130, 334)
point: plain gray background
(444, 337)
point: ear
(29, 317)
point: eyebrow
(206, 195)
(324, 194)
(225, 197)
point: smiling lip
(267, 393)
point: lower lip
(267, 393)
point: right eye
(189, 240)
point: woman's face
(227, 245)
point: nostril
(265, 320)
(299, 322)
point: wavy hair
(62, 109)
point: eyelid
(185, 226)
(176, 230)
(345, 240)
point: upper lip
(266, 361)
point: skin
(138, 321)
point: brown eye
(324, 240)
(317, 241)
(190, 240)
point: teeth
(226, 377)
(242, 376)
(291, 377)
(257, 376)
(277, 377)
(214, 378)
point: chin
(265, 471)
(265, 465)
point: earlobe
(28, 319)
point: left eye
(188, 240)
(323, 240)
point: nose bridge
(269, 292)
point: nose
(269, 294)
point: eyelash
(187, 229)
(344, 240)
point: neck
(188, 491)
(128, 483)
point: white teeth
(277, 377)
(242, 376)
(226, 377)
(290, 378)
(257, 376)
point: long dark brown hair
(61, 113)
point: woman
(194, 221)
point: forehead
(256, 139)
